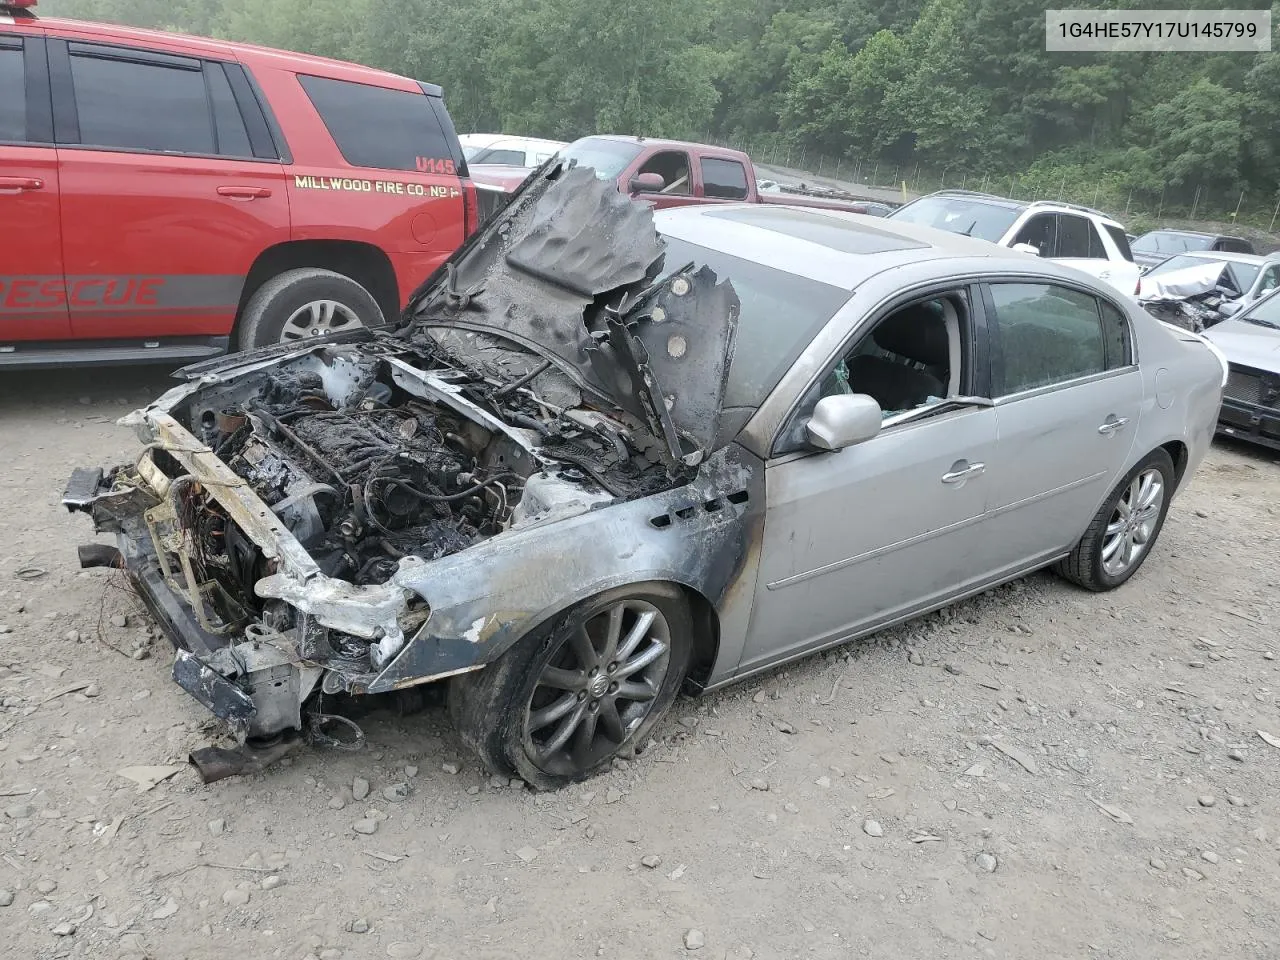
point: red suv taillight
(470, 209)
(1137, 287)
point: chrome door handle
(244, 193)
(955, 476)
(1112, 425)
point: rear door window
(1073, 237)
(13, 102)
(381, 128)
(150, 103)
(1048, 334)
(724, 179)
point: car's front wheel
(1126, 527)
(564, 701)
(299, 305)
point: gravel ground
(1038, 772)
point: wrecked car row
(610, 453)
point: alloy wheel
(597, 687)
(318, 318)
(1133, 522)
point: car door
(677, 173)
(32, 302)
(171, 188)
(858, 537)
(1068, 396)
(1079, 245)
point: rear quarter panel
(1183, 381)
(416, 218)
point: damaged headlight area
(285, 514)
(286, 510)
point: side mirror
(1229, 308)
(647, 183)
(842, 420)
(1026, 248)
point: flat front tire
(1125, 528)
(565, 700)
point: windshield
(607, 158)
(781, 313)
(1265, 313)
(470, 152)
(973, 218)
(1166, 241)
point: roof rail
(1070, 206)
(975, 193)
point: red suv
(167, 198)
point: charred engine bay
(364, 466)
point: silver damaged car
(611, 453)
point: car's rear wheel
(299, 305)
(563, 702)
(1126, 527)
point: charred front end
(380, 510)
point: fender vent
(692, 511)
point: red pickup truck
(669, 173)
(166, 198)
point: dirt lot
(1039, 772)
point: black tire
(280, 298)
(492, 709)
(1085, 564)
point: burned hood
(573, 272)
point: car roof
(659, 142)
(1046, 206)
(833, 247)
(1190, 233)
(526, 142)
(979, 197)
(230, 50)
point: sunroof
(834, 232)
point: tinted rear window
(377, 127)
(13, 105)
(1073, 236)
(141, 106)
(781, 313)
(724, 179)
(1121, 241)
(971, 218)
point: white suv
(1078, 236)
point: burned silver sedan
(610, 453)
